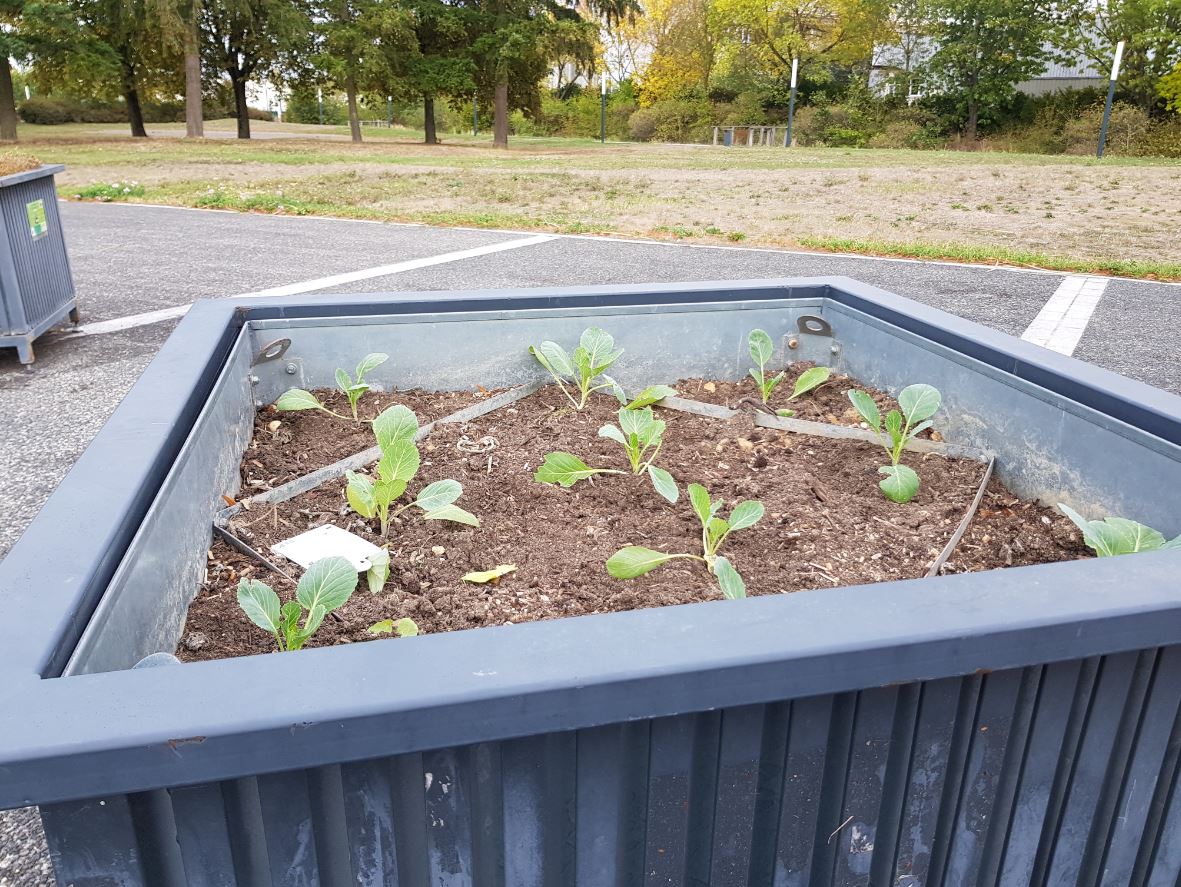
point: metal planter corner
(1016, 727)
(36, 287)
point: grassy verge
(997, 255)
(1058, 213)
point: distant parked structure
(899, 63)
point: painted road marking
(1063, 320)
(307, 286)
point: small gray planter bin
(36, 288)
(1016, 727)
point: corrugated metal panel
(1061, 774)
(40, 265)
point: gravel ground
(24, 858)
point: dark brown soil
(827, 524)
(828, 403)
(310, 439)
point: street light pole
(791, 104)
(603, 109)
(1119, 55)
(475, 117)
(320, 103)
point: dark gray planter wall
(1013, 727)
(1056, 774)
(36, 287)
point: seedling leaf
(369, 363)
(327, 584)
(1117, 535)
(613, 433)
(728, 579)
(635, 560)
(565, 469)
(455, 514)
(919, 402)
(379, 571)
(599, 348)
(900, 483)
(343, 382)
(298, 399)
(894, 427)
(650, 395)
(663, 483)
(865, 405)
(746, 514)
(396, 423)
(438, 494)
(554, 358)
(260, 604)
(399, 462)
(482, 576)
(810, 379)
(404, 628)
(761, 347)
(359, 492)
(699, 499)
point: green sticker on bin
(38, 226)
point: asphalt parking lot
(134, 265)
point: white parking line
(1063, 319)
(307, 286)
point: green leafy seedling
(919, 403)
(635, 560)
(325, 587)
(395, 430)
(403, 628)
(650, 395)
(1118, 535)
(761, 351)
(640, 434)
(300, 399)
(809, 380)
(594, 355)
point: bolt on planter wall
(36, 287)
(1019, 726)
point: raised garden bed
(825, 523)
(1005, 726)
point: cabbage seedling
(919, 403)
(1118, 535)
(761, 350)
(809, 380)
(639, 432)
(395, 430)
(641, 435)
(325, 587)
(594, 355)
(301, 399)
(635, 560)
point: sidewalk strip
(1063, 319)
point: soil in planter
(309, 439)
(828, 403)
(826, 524)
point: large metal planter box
(36, 287)
(1007, 728)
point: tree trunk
(7, 103)
(970, 126)
(500, 113)
(350, 88)
(194, 117)
(428, 120)
(239, 81)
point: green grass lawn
(1116, 216)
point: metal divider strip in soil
(293, 488)
(949, 548)
(817, 429)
